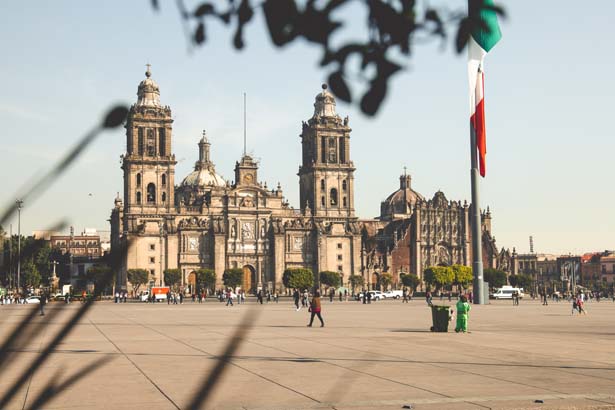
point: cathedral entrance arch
(192, 281)
(249, 279)
(375, 281)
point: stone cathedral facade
(206, 221)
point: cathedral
(207, 221)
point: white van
(506, 292)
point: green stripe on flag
(488, 33)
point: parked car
(506, 292)
(376, 295)
(33, 299)
(394, 294)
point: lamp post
(19, 204)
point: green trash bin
(440, 316)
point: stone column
(219, 257)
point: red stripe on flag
(478, 121)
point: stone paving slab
(377, 356)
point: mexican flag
(482, 40)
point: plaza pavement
(378, 356)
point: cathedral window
(344, 185)
(151, 143)
(161, 142)
(344, 202)
(164, 197)
(323, 150)
(163, 179)
(151, 193)
(332, 151)
(333, 197)
(141, 141)
(139, 180)
(322, 184)
(138, 198)
(322, 201)
(342, 150)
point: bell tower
(326, 175)
(148, 164)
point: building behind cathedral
(207, 221)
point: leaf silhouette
(339, 87)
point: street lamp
(19, 204)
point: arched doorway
(249, 279)
(192, 281)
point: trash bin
(440, 317)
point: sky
(549, 88)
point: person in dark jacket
(315, 308)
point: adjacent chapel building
(205, 221)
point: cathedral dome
(204, 173)
(202, 178)
(324, 106)
(148, 91)
(400, 201)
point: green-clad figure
(463, 308)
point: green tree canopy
(31, 275)
(206, 278)
(100, 276)
(299, 278)
(463, 275)
(330, 278)
(233, 277)
(385, 280)
(521, 281)
(137, 277)
(356, 280)
(410, 280)
(439, 276)
(496, 278)
(172, 277)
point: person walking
(580, 305)
(463, 308)
(296, 299)
(169, 297)
(117, 296)
(315, 309)
(346, 294)
(229, 298)
(341, 294)
(331, 294)
(43, 303)
(428, 298)
(404, 295)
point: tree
(521, 281)
(496, 278)
(137, 277)
(356, 280)
(385, 280)
(463, 275)
(298, 278)
(172, 277)
(206, 278)
(330, 278)
(233, 277)
(439, 276)
(100, 276)
(31, 275)
(410, 280)
(393, 27)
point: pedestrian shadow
(410, 331)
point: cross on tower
(148, 72)
(405, 171)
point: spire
(204, 157)
(148, 92)
(325, 104)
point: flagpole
(475, 221)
